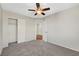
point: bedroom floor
(37, 48)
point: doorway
(39, 35)
(12, 30)
(42, 31)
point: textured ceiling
(22, 8)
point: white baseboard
(64, 46)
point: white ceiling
(22, 8)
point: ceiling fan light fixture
(39, 12)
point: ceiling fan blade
(31, 10)
(35, 14)
(43, 13)
(45, 9)
(37, 5)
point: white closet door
(12, 30)
(21, 30)
(26, 30)
(30, 30)
(45, 31)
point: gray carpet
(37, 48)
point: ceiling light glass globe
(39, 12)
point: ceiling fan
(39, 10)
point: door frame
(44, 30)
(16, 28)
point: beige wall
(0, 29)
(63, 28)
(26, 27)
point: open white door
(45, 32)
(12, 30)
(42, 29)
(21, 30)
